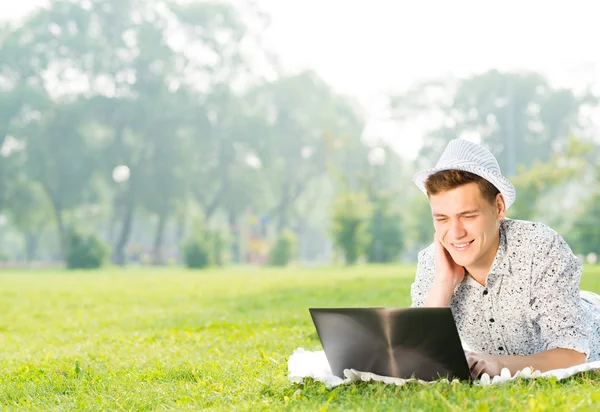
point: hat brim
(499, 181)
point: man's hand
(446, 269)
(480, 364)
(448, 275)
(558, 358)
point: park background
(181, 180)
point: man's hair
(451, 179)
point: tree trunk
(283, 209)
(180, 234)
(211, 208)
(2, 182)
(157, 256)
(31, 244)
(235, 234)
(60, 224)
(119, 250)
(282, 222)
(112, 222)
(3, 134)
(289, 196)
(58, 214)
(180, 231)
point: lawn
(149, 339)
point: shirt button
(485, 292)
(492, 320)
(501, 348)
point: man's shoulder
(529, 233)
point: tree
(21, 97)
(284, 249)
(168, 90)
(60, 159)
(139, 85)
(520, 117)
(349, 217)
(531, 184)
(584, 236)
(29, 211)
(583, 220)
(384, 230)
(305, 121)
(419, 228)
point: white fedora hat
(461, 154)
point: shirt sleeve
(424, 277)
(555, 300)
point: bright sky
(370, 48)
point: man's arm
(440, 293)
(555, 309)
(423, 278)
(558, 358)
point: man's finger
(478, 368)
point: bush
(584, 236)
(284, 249)
(85, 251)
(385, 232)
(205, 247)
(198, 252)
(219, 246)
(350, 215)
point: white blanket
(307, 364)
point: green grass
(173, 339)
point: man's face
(467, 224)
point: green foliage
(146, 339)
(419, 222)
(284, 250)
(27, 205)
(584, 236)
(350, 214)
(197, 252)
(219, 243)
(190, 143)
(530, 184)
(384, 231)
(519, 115)
(85, 251)
(205, 247)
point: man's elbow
(571, 357)
(578, 357)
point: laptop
(420, 343)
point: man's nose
(457, 229)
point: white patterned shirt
(531, 301)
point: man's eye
(441, 219)
(470, 217)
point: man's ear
(500, 206)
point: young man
(513, 286)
